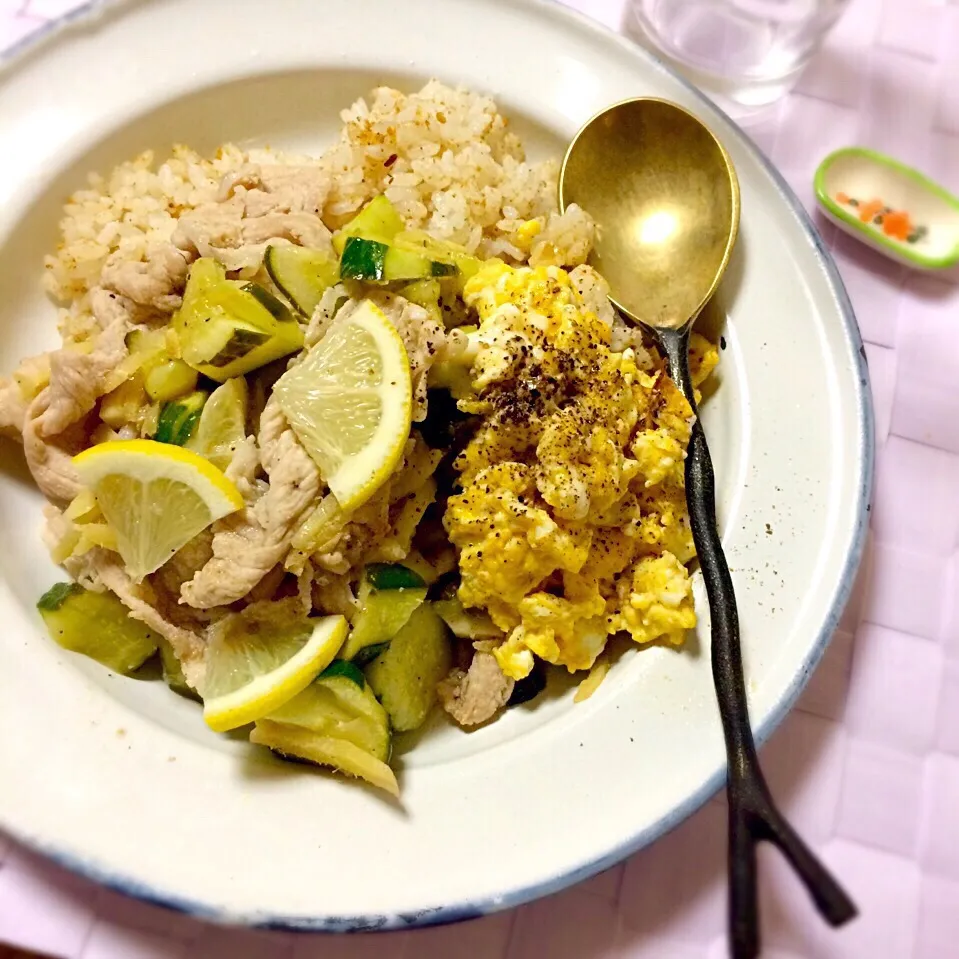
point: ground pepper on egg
(571, 523)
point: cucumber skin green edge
(384, 576)
(363, 259)
(56, 595)
(178, 419)
(283, 262)
(343, 667)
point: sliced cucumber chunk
(145, 349)
(342, 667)
(146, 346)
(368, 653)
(387, 596)
(301, 274)
(373, 261)
(378, 220)
(276, 308)
(340, 754)
(405, 265)
(57, 595)
(169, 380)
(226, 329)
(363, 260)
(393, 576)
(124, 405)
(425, 293)
(336, 706)
(97, 625)
(399, 264)
(178, 419)
(439, 251)
(405, 675)
(240, 343)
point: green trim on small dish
(937, 263)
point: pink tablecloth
(868, 764)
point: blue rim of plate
(475, 909)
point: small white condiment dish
(849, 183)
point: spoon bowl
(664, 192)
(665, 198)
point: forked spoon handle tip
(753, 815)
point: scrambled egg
(571, 523)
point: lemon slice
(349, 403)
(222, 424)
(155, 496)
(256, 664)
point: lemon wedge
(257, 663)
(349, 403)
(156, 497)
(222, 424)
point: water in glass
(744, 53)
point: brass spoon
(665, 197)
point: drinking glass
(744, 53)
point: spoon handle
(753, 815)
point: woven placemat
(867, 765)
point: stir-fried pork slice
(112, 311)
(184, 564)
(243, 468)
(166, 585)
(209, 227)
(53, 427)
(306, 229)
(246, 177)
(474, 696)
(75, 385)
(157, 282)
(18, 390)
(99, 567)
(248, 544)
(78, 380)
(277, 188)
(370, 526)
(13, 408)
(237, 234)
(333, 300)
(422, 336)
(272, 428)
(50, 459)
(333, 593)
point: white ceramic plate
(120, 780)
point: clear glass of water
(744, 53)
